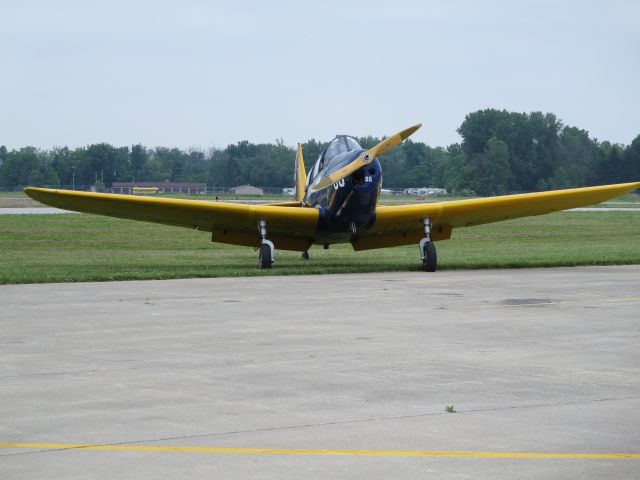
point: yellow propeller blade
(365, 158)
(392, 142)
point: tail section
(300, 178)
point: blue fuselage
(347, 207)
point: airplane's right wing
(402, 224)
(290, 228)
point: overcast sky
(209, 73)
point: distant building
(160, 187)
(246, 190)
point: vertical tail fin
(300, 178)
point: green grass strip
(80, 248)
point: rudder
(300, 177)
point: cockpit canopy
(334, 156)
(340, 144)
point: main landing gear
(428, 249)
(267, 249)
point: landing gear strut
(428, 249)
(267, 249)
(305, 256)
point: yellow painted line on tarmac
(351, 453)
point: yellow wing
(289, 228)
(402, 225)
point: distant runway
(31, 210)
(328, 376)
(604, 209)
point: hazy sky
(210, 73)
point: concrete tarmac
(338, 376)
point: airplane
(336, 202)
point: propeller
(364, 159)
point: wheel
(430, 260)
(305, 256)
(265, 256)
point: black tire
(305, 256)
(265, 259)
(430, 261)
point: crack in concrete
(336, 422)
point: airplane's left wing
(289, 228)
(402, 224)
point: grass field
(77, 247)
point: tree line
(500, 152)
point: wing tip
(32, 191)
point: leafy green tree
(63, 162)
(137, 159)
(500, 152)
(154, 170)
(414, 153)
(458, 172)
(491, 169)
(577, 155)
(610, 166)
(632, 160)
(172, 161)
(18, 166)
(532, 141)
(195, 168)
(103, 162)
(396, 174)
(440, 162)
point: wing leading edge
(290, 228)
(402, 225)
